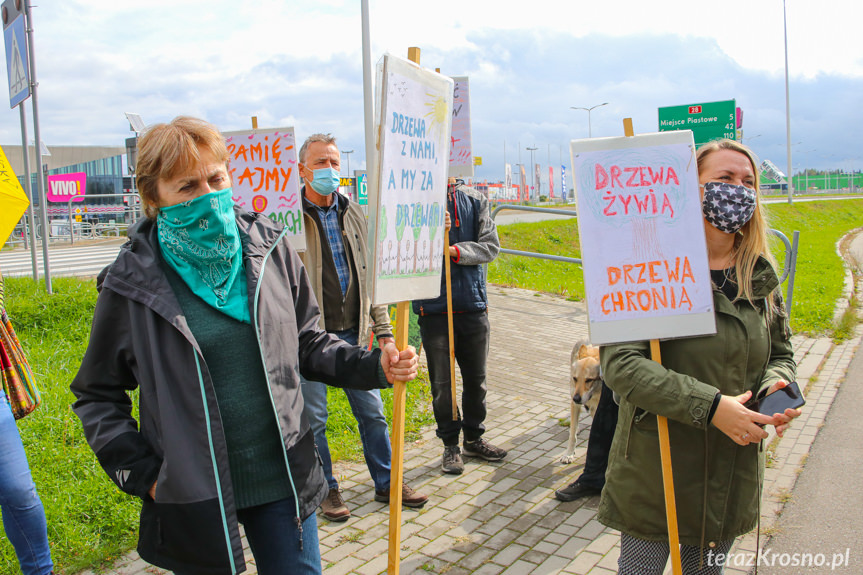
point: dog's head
(584, 370)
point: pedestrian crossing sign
(17, 62)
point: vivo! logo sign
(67, 187)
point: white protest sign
(407, 204)
(642, 238)
(265, 178)
(461, 147)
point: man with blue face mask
(335, 258)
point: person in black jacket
(209, 312)
(592, 478)
(473, 242)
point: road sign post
(708, 121)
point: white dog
(585, 386)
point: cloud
(528, 65)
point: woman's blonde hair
(167, 150)
(751, 241)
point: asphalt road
(824, 514)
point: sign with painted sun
(407, 196)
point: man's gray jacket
(354, 232)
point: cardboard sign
(642, 238)
(67, 187)
(461, 162)
(13, 200)
(407, 198)
(265, 178)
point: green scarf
(201, 242)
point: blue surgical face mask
(325, 181)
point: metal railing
(100, 214)
(788, 268)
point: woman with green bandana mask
(210, 312)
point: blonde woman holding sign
(702, 387)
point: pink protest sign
(264, 177)
(67, 187)
(461, 149)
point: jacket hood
(137, 272)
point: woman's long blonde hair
(751, 241)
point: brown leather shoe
(334, 508)
(410, 498)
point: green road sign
(709, 121)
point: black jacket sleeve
(103, 405)
(323, 356)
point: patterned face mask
(726, 206)
(200, 241)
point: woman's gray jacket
(140, 339)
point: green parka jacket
(716, 481)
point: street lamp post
(588, 110)
(533, 166)
(787, 110)
(348, 154)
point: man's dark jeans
(599, 442)
(471, 337)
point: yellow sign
(78, 218)
(347, 182)
(13, 200)
(477, 160)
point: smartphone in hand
(789, 397)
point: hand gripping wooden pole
(664, 448)
(398, 433)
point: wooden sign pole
(398, 445)
(398, 433)
(664, 447)
(447, 267)
(254, 122)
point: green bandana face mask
(201, 242)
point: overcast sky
(300, 64)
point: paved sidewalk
(502, 517)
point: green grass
(90, 522)
(820, 270)
(554, 237)
(818, 283)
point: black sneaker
(484, 449)
(576, 490)
(451, 462)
